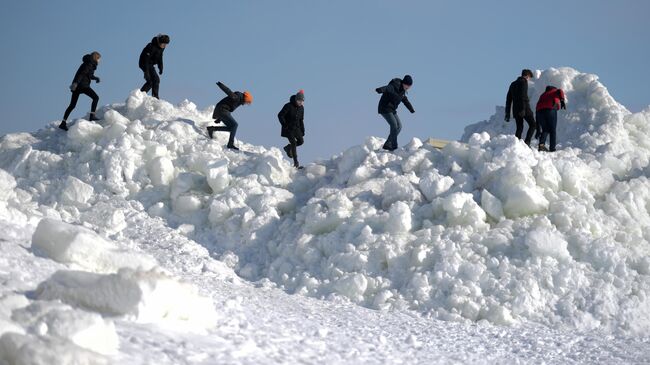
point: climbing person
(517, 98)
(391, 96)
(224, 108)
(151, 55)
(81, 85)
(293, 127)
(546, 114)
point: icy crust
(486, 230)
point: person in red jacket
(546, 114)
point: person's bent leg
(294, 151)
(232, 125)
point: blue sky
(462, 55)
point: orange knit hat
(248, 98)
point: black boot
(93, 117)
(210, 131)
(542, 148)
(233, 147)
(63, 125)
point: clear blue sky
(462, 55)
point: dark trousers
(153, 81)
(547, 118)
(75, 97)
(528, 116)
(395, 127)
(231, 126)
(294, 142)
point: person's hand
(412, 111)
(160, 71)
(97, 79)
(378, 90)
(507, 118)
(562, 104)
(73, 87)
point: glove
(160, 71)
(562, 104)
(507, 119)
(73, 87)
(378, 90)
(97, 79)
(412, 111)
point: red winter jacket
(550, 99)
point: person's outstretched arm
(225, 89)
(407, 104)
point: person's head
(527, 74)
(300, 98)
(96, 56)
(248, 98)
(549, 88)
(163, 40)
(407, 82)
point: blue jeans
(395, 127)
(231, 126)
(548, 119)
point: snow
(136, 239)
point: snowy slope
(163, 224)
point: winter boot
(93, 117)
(210, 131)
(233, 147)
(63, 125)
(542, 148)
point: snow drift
(483, 230)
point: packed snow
(136, 239)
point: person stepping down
(391, 96)
(547, 106)
(81, 85)
(223, 110)
(292, 118)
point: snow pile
(142, 296)
(483, 230)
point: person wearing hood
(151, 55)
(292, 118)
(517, 99)
(391, 96)
(549, 102)
(81, 85)
(224, 108)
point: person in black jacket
(517, 98)
(224, 108)
(392, 95)
(151, 55)
(292, 118)
(81, 85)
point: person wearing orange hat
(292, 118)
(224, 108)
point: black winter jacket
(292, 119)
(86, 72)
(518, 98)
(151, 55)
(392, 95)
(228, 104)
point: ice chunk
(76, 192)
(143, 296)
(83, 248)
(161, 171)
